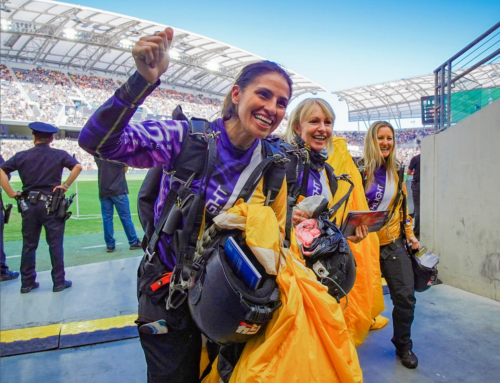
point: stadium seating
(70, 99)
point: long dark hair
(248, 75)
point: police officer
(6, 274)
(40, 169)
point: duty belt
(34, 197)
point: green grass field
(89, 208)
(83, 237)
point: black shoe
(25, 290)
(408, 358)
(66, 285)
(136, 246)
(8, 275)
(110, 249)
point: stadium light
(212, 66)
(70, 33)
(6, 9)
(174, 54)
(126, 43)
(6, 23)
(77, 20)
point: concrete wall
(460, 202)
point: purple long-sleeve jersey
(109, 134)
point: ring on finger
(154, 34)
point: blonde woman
(309, 136)
(381, 172)
(308, 144)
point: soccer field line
(92, 216)
(93, 247)
(83, 248)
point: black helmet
(332, 259)
(222, 306)
(424, 276)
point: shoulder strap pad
(191, 159)
(275, 173)
(192, 156)
(332, 178)
(272, 168)
(358, 161)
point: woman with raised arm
(384, 189)
(309, 137)
(253, 108)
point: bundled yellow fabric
(366, 300)
(307, 340)
(261, 230)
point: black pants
(4, 267)
(396, 268)
(34, 219)
(415, 191)
(173, 357)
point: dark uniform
(40, 169)
(6, 274)
(415, 191)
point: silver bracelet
(66, 185)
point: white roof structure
(401, 98)
(68, 36)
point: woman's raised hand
(151, 54)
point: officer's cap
(42, 127)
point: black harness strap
(270, 169)
(196, 144)
(332, 179)
(185, 239)
(345, 198)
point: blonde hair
(302, 113)
(372, 155)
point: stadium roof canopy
(401, 98)
(69, 36)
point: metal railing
(468, 81)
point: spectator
(414, 170)
(113, 191)
(6, 274)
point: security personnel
(40, 169)
(414, 170)
(6, 274)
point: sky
(337, 44)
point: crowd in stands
(404, 155)
(10, 145)
(403, 136)
(96, 90)
(48, 92)
(49, 89)
(53, 91)
(13, 106)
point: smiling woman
(257, 103)
(252, 109)
(384, 190)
